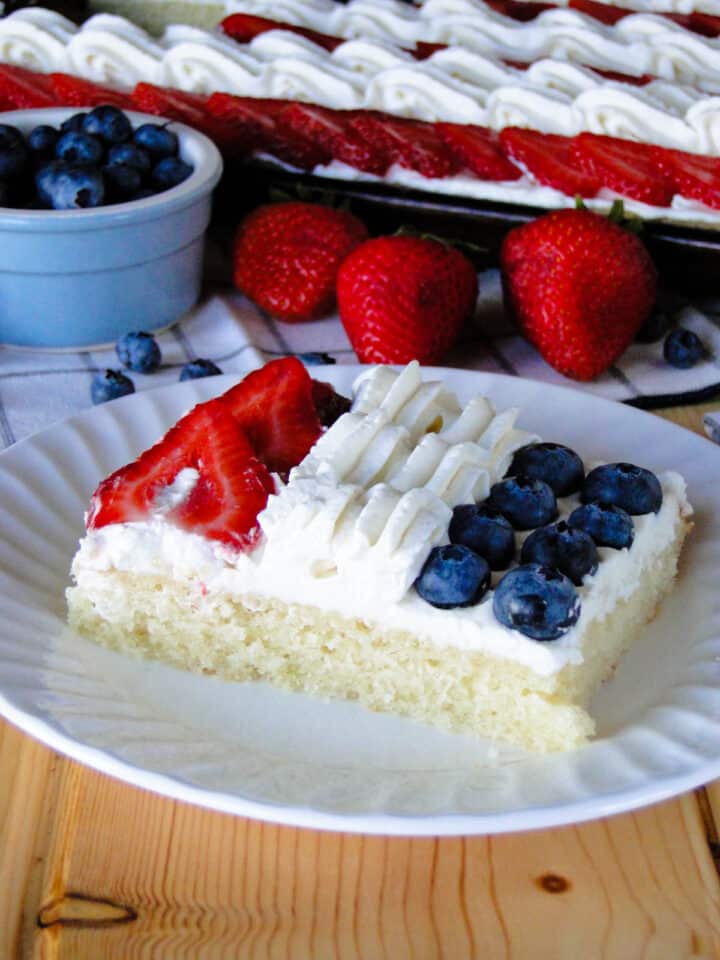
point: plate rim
(103, 760)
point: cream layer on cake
(343, 543)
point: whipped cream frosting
(459, 84)
(353, 526)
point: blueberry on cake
(421, 556)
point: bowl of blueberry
(103, 215)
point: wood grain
(91, 868)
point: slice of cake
(420, 555)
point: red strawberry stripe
(692, 176)
(550, 159)
(22, 89)
(73, 91)
(276, 410)
(413, 144)
(189, 108)
(478, 149)
(243, 27)
(624, 166)
(332, 130)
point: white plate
(252, 750)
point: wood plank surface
(91, 868)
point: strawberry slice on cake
(211, 474)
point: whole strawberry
(287, 255)
(405, 298)
(579, 286)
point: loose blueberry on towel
(570, 550)
(13, 152)
(453, 576)
(108, 123)
(195, 369)
(139, 351)
(626, 485)
(64, 187)
(486, 531)
(169, 172)
(526, 503)
(109, 385)
(683, 348)
(157, 140)
(557, 465)
(608, 525)
(538, 601)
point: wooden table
(92, 869)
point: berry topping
(287, 257)
(608, 525)
(683, 348)
(231, 488)
(559, 466)
(479, 150)
(108, 124)
(139, 351)
(624, 166)
(525, 502)
(413, 144)
(630, 487)
(22, 89)
(538, 601)
(570, 550)
(109, 385)
(484, 530)
(550, 159)
(453, 576)
(196, 369)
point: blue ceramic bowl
(80, 278)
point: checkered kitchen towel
(37, 388)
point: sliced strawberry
(693, 176)
(477, 149)
(549, 159)
(598, 10)
(75, 92)
(243, 27)
(232, 488)
(257, 123)
(274, 406)
(189, 108)
(624, 166)
(705, 24)
(413, 144)
(423, 49)
(641, 81)
(522, 10)
(332, 130)
(22, 89)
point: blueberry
(486, 531)
(131, 155)
(608, 525)
(64, 187)
(79, 149)
(196, 369)
(453, 576)
(570, 550)
(313, 359)
(157, 140)
(13, 152)
(108, 123)
(122, 182)
(655, 327)
(634, 489)
(139, 351)
(683, 348)
(538, 601)
(169, 172)
(526, 503)
(75, 122)
(43, 139)
(110, 384)
(559, 466)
